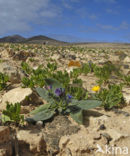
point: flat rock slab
(15, 74)
(21, 95)
(60, 126)
(4, 134)
(31, 141)
(6, 149)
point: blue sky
(67, 20)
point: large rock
(31, 141)
(21, 95)
(4, 134)
(114, 58)
(13, 72)
(115, 135)
(78, 144)
(54, 130)
(6, 149)
(5, 142)
(126, 94)
(127, 59)
(97, 121)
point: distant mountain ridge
(13, 39)
(34, 39)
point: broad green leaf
(44, 94)
(41, 116)
(5, 118)
(88, 104)
(74, 102)
(77, 116)
(40, 108)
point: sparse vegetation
(71, 79)
(111, 97)
(12, 114)
(3, 80)
(60, 102)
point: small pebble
(102, 127)
(39, 123)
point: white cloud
(92, 16)
(123, 26)
(15, 15)
(85, 14)
(111, 11)
(68, 3)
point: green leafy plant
(3, 80)
(78, 81)
(28, 82)
(76, 91)
(52, 66)
(12, 114)
(86, 68)
(62, 77)
(111, 97)
(35, 78)
(75, 73)
(126, 80)
(26, 68)
(60, 102)
(105, 72)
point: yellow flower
(96, 88)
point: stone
(73, 57)
(23, 55)
(78, 144)
(15, 74)
(4, 134)
(31, 140)
(54, 130)
(39, 123)
(21, 95)
(5, 141)
(6, 149)
(115, 135)
(102, 127)
(70, 69)
(98, 121)
(56, 57)
(126, 66)
(127, 59)
(114, 58)
(124, 142)
(126, 94)
(122, 56)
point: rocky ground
(62, 136)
